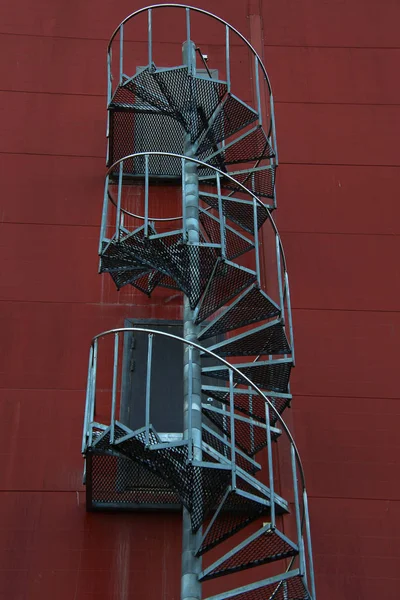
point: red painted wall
(333, 66)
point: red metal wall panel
(333, 68)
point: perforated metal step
(250, 307)
(237, 210)
(251, 146)
(228, 280)
(269, 338)
(270, 375)
(247, 401)
(238, 510)
(249, 437)
(287, 586)
(236, 243)
(265, 546)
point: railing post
(270, 465)
(257, 75)
(146, 195)
(114, 389)
(309, 545)
(297, 510)
(232, 417)
(256, 241)
(150, 37)
(227, 57)
(118, 215)
(104, 215)
(148, 385)
(87, 402)
(279, 274)
(221, 217)
(93, 390)
(121, 52)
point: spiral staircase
(180, 126)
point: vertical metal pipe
(297, 510)
(232, 416)
(146, 195)
(148, 385)
(221, 217)
(121, 53)
(114, 389)
(191, 565)
(190, 400)
(87, 403)
(188, 26)
(279, 273)
(289, 311)
(228, 60)
(103, 227)
(118, 215)
(93, 390)
(109, 82)
(275, 143)
(270, 465)
(256, 245)
(150, 37)
(259, 110)
(183, 162)
(309, 545)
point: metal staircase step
(193, 98)
(236, 210)
(125, 277)
(236, 243)
(251, 146)
(250, 437)
(227, 280)
(286, 586)
(217, 443)
(260, 181)
(265, 546)
(170, 463)
(238, 510)
(270, 375)
(233, 116)
(248, 402)
(250, 307)
(269, 338)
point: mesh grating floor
(236, 211)
(253, 306)
(250, 438)
(289, 589)
(235, 245)
(252, 405)
(233, 116)
(273, 376)
(253, 146)
(228, 281)
(267, 547)
(117, 482)
(268, 340)
(238, 511)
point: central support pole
(191, 565)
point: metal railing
(120, 38)
(232, 458)
(117, 221)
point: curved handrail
(271, 126)
(249, 382)
(199, 10)
(206, 165)
(227, 364)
